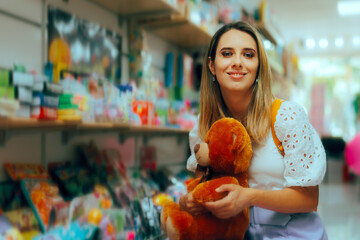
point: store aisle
(339, 207)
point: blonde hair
(212, 106)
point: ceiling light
(348, 8)
(339, 42)
(310, 43)
(323, 43)
(356, 41)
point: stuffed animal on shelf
(225, 157)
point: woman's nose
(237, 61)
(196, 148)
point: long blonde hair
(212, 106)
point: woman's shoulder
(305, 160)
(290, 104)
(290, 116)
(290, 111)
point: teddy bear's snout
(196, 148)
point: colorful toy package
(96, 209)
(24, 220)
(72, 180)
(19, 171)
(120, 189)
(81, 206)
(73, 231)
(49, 207)
(11, 196)
(92, 157)
(114, 160)
(8, 232)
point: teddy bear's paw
(172, 232)
(206, 191)
(180, 225)
(166, 208)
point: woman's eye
(249, 54)
(226, 54)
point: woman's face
(236, 61)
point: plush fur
(227, 150)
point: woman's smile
(236, 75)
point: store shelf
(34, 124)
(162, 19)
(131, 7)
(25, 123)
(99, 126)
(152, 129)
(182, 33)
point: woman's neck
(237, 105)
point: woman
(283, 190)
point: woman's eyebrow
(251, 49)
(229, 48)
(226, 48)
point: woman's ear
(211, 65)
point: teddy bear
(225, 157)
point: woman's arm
(287, 200)
(194, 139)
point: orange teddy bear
(226, 152)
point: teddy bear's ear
(235, 140)
(239, 136)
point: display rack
(162, 19)
(71, 129)
(132, 7)
(34, 124)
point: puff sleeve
(193, 140)
(305, 159)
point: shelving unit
(183, 34)
(131, 7)
(25, 123)
(162, 19)
(46, 141)
(68, 130)
(34, 124)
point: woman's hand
(188, 204)
(238, 199)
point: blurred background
(86, 85)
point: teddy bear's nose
(196, 148)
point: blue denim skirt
(266, 224)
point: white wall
(21, 42)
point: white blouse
(304, 163)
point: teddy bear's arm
(191, 185)
(205, 192)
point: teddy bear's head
(226, 147)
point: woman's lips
(236, 75)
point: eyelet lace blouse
(304, 163)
